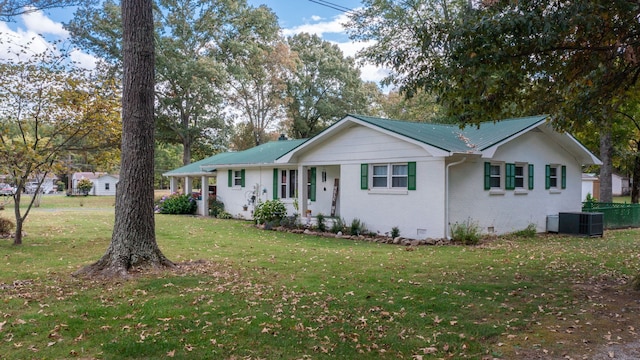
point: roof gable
(447, 139)
(452, 138)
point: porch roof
(261, 154)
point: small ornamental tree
(84, 186)
(48, 108)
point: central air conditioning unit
(581, 223)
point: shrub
(177, 204)
(215, 207)
(467, 232)
(322, 227)
(6, 226)
(291, 222)
(528, 232)
(395, 232)
(84, 186)
(337, 226)
(224, 215)
(269, 211)
(357, 227)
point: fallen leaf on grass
(171, 353)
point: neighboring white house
(590, 186)
(620, 185)
(103, 183)
(419, 177)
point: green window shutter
(364, 176)
(312, 195)
(411, 179)
(530, 173)
(230, 178)
(564, 177)
(242, 178)
(275, 184)
(510, 176)
(547, 177)
(487, 175)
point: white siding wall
(418, 213)
(99, 186)
(512, 210)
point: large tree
(259, 63)
(190, 71)
(47, 110)
(133, 243)
(574, 60)
(324, 86)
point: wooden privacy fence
(616, 215)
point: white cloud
(334, 26)
(33, 41)
(37, 22)
(13, 42)
(349, 48)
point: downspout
(446, 197)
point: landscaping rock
(397, 240)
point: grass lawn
(243, 293)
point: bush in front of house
(357, 227)
(177, 204)
(215, 207)
(270, 211)
(466, 232)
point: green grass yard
(243, 293)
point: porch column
(204, 191)
(302, 191)
(188, 185)
(173, 184)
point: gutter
(446, 197)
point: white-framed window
(106, 186)
(237, 178)
(285, 183)
(389, 176)
(519, 175)
(398, 176)
(555, 176)
(495, 176)
(288, 182)
(508, 176)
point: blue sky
(294, 16)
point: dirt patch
(606, 325)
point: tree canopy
(324, 86)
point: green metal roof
(443, 136)
(261, 154)
(453, 139)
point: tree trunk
(635, 176)
(17, 238)
(133, 243)
(606, 169)
(186, 150)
